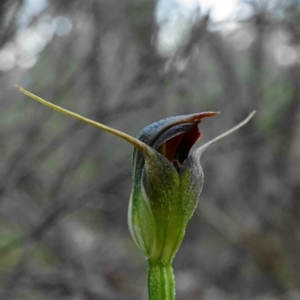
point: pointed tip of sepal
(201, 149)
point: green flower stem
(161, 282)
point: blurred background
(65, 186)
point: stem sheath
(161, 282)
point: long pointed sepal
(145, 149)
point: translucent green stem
(161, 282)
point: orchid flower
(167, 182)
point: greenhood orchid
(166, 187)
(167, 182)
